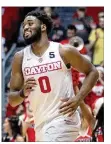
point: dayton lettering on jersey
(42, 68)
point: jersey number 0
(44, 84)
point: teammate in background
(39, 73)
(12, 129)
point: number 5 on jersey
(51, 55)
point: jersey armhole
(67, 65)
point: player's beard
(34, 38)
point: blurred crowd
(86, 22)
(85, 32)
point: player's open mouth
(27, 34)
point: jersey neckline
(36, 56)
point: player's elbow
(12, 102)
(93, 75)
(93, 71)
(96, 73)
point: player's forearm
(88, 84)
(87, 114)
(85, 110)
(14, 98)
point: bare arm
(85, 110)
(87, 114)
(72, 56)
(18, 89)
(16, 81)
(90, 45)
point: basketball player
(40, 73)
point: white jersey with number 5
(54, 81)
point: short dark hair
(83, 9)
(43, 17)
(54, 15)
(16, 126)
(71, 27)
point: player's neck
(40, 47)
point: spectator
(82, 23)
(95, 100)
(18, 110)
(48, 10)
(3, 48)
(102, 64)
(28, 126)
(25, 116)
(98, 132)
(93, 12)
(11, 19)
(13, 129)
(97, 91)
(101, 14)
(101, 74)
(71, 32)
(96, 41)
(58, 31)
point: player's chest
(40, 65)
(35, 68)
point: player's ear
(43, 27)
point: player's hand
(69, 106)
(28, 86)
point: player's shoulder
(20, 54)
(66, 49)
(52, 43)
